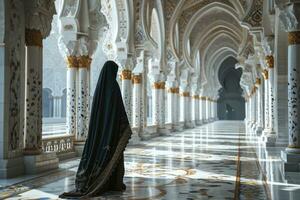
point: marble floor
(213, 161)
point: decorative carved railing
(58, 143)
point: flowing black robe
(101, 167)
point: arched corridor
(209, 87)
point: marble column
(33, 92)
(195, 109)
(259, 126)
(137, 100)
(270, 134)
(253, 109)
(173, 106)
(291, 155)
(72, 66)
(208, 109)
(266, 101)
(155, 101)
(126, 92)
(185, 107)
(57, 106)
(84, 63)
(182, 108)
(158, 109)
(200, 111)
(203, 109)
(12, 86)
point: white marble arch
(158, 43)
(206, 54)
(197, 17)
(181, 6)
(218, 26)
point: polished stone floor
(213, 161)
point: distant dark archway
(231, 104)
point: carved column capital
(39, 15)
(289, 14)
(270, 61)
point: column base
(135, 138)
(10, 168)
(189, 125)
(198, 123)
(177, 127)
(269, 138)
(35, 164)
(149, 132)
(78, 147)
(258, 130)
(163, 131)
(291, 158)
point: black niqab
(102, 167)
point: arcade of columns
(158, 60)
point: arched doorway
(231, 104)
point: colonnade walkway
(213, 161)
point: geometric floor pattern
(214, 161)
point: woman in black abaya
(101, 166)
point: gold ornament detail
(173, 90)
(265, 74)
(195, 97)
(33, 37)
(294, 37)
(72, 62)
(159, 85)
(203, 98)
(253, 90)
(126, 74)
(84, 61)
(137, 79)
(258, 81)
(185, 94)
(270, 61)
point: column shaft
(126, 92)
(33, 92)
(294, 91)
(71, 95)
(137, 100)
(83, 97)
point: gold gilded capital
(137, 79)
(84, 61)
(173, 90)
(270, 61)
(195, 97)
(72, 62)
(159, 85)
(203, 98)
(265, 74)
(185, 94)
(294, 37)
(258, 81)
(33, 37)
(126, 74)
